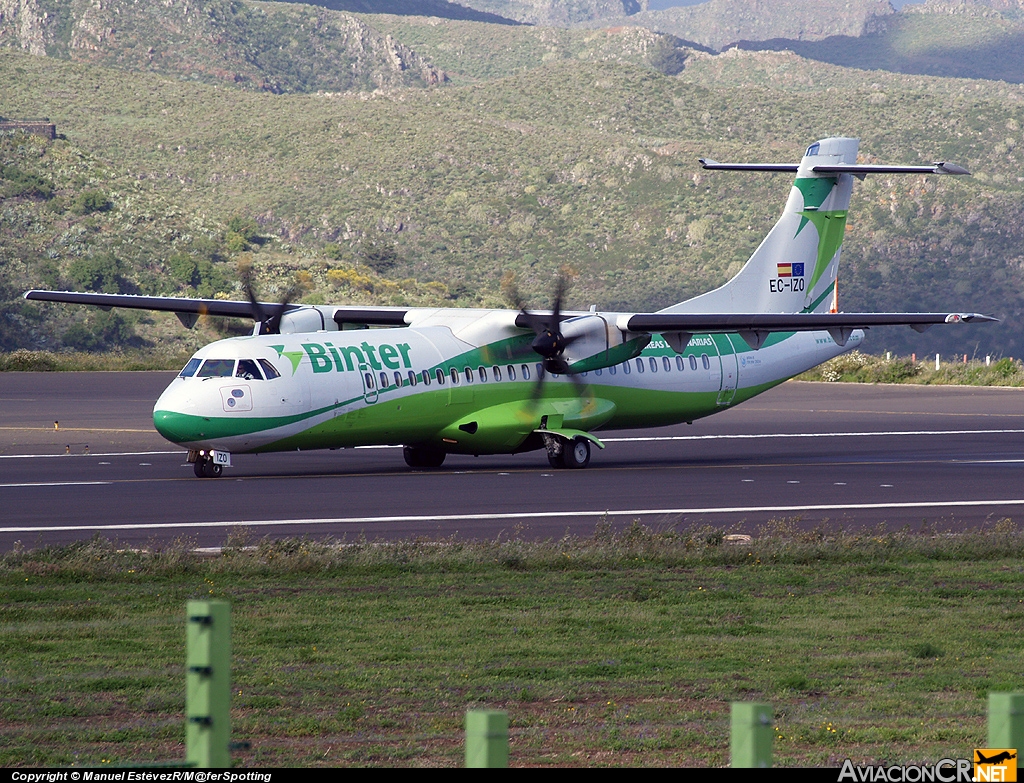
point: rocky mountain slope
(274, 47)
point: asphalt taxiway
(839, 454)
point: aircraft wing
(754, 328)
(188, 309)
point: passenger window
(526, 372)
(455, 375)
(368, 378)
(469, 374)
(598, 371)
(190, 369)
(247, 369)
(705, 361)
(412, 378)
(497, 372)
(440, 376)
(384, 380)
(426, 377)
(612, 370)
(540, 370)
(654, 364)
(667, 363)
(511, 372)
(639, 364)
(625, 368)
(217, 368)
(693, 362)
(398, 379)
(483, 374)
(269, 370)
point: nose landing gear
(205, 467)
(209, 464)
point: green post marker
(208, 684)
(751, 739)
(486, 739)
(1006, 721)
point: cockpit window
(247, 369)
(269, 369)
(190, 369)
(217, 368)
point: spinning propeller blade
(549, 343)
(268, 324)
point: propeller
(269, 324)
(549, 342)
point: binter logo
(995, 764)
(328, 358)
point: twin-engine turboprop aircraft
(468, 381)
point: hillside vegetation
(551, 149)
(470, 51)
(275, 47)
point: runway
(838, 454)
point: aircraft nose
(176, 427)
(173, 417)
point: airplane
(996, 759)
(441, 381)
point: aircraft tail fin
(794, 268)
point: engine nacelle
(307, 319)
(596, 343)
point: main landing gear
(568, 454)
(423, 457)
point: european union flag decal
(798, 270)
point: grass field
(612, 650)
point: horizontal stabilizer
(857, 169)
(714, 165)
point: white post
(936, 361)
(888, 355)
(988, 360)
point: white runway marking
(94, 454)
(526, 515)
(59, 484)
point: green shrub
(102, 273)
(15, 182)
(235, 242)
(184, 269)
(894, 371)
(90, 201)
(1005, 367)
(379, 255)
